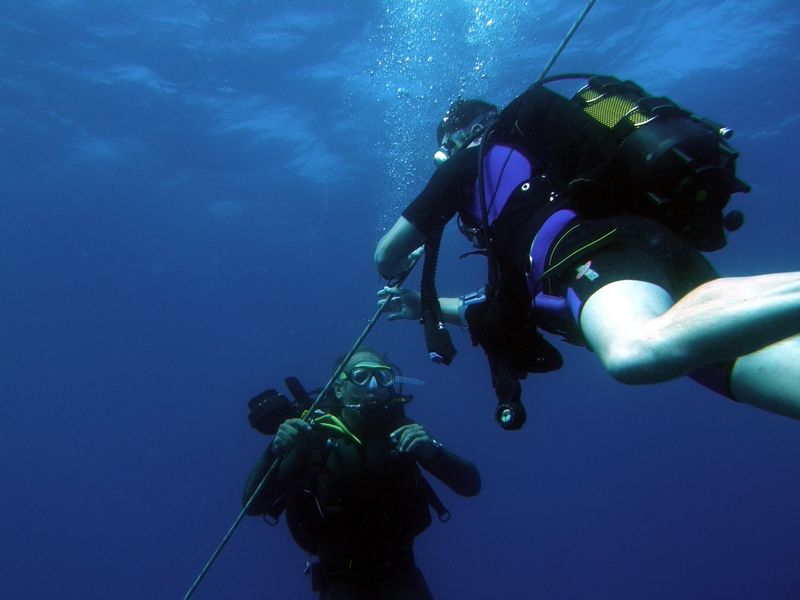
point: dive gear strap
(440, 345)
(506, 329)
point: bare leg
(642, 337)
(770, 378)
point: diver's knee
(623, 366)
(634, 364)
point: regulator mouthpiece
(441, 156)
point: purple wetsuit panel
(504, 169)
(540, 248)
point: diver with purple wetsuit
(548, 253)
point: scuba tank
(614, 148)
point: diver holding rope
(350, 484)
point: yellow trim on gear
(610, 110)
(331, 423)
(581, 249)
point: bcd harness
(267, 411)
(611, 149)
(312, 509)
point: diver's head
(367, 392)
(464, 121)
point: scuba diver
(593, 212)
(350, 483)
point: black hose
(437, 339)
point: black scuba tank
(614, 148)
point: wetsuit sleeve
(458, 474)
(447, 191)
(286, 473)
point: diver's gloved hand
(402, 303)
(291, 434)
(414, 440)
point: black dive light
(510, 413)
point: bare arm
(405, 304)
(393, 254)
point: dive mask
(362, 375)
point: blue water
(190, 192)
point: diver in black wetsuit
(353, 492)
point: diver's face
(363, 389)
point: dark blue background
(190, 193)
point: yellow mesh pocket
(610, 110)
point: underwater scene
(191, 194)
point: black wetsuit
(358, 508)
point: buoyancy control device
(614, 148)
